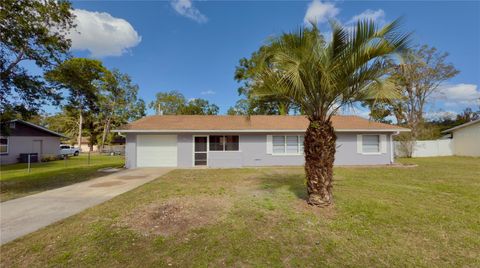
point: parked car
(68, 150)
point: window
(224, 143)
(292, 144)
(371, 143)
(278, 144)
(3, 145)
(287, 144)
(231, 143)
(216, 143)
(300, 144)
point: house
(258, 140)
(22, 137)
(85, 145)
(116, 146)
(466, 138)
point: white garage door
(157, 150)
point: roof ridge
(462, 126)
(263, 123)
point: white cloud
(186, 9)
(439, 115)
(375, 15)
(208, 92)
(464, 94)
(319, 12)
(355, 109)
(378, 16)
(102, 34)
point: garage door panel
(156, 150)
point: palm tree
(320, 77)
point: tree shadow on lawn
(284, 179)
(24, 166)
(293, 180)
(287, 188)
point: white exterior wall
(466, 140)
(84, 148)
(253, 151)
(24, 144)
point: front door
(200, 151)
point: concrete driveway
(24, 215)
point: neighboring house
(116, 146)
(466, 138)
(23, 137)
(85, 145)
(258, 140)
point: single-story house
(23, 137)
(466, 138)
(85, 145)
(116, 146)
(258, 140)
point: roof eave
(41, 128)
(461, 126)
(248, 130)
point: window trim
(379, 145)
(285, 145)
(8, 146)
(224, 144)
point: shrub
(49, 158)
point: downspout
(392, 147)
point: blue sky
(194, 47)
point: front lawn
(424, 216)
(15, 181)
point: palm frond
(316, 76)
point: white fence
(428, 148)
(120, 149)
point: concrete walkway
(21, 216)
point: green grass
(426, 216)
(15, 181)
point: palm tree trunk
(319, 148)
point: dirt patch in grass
(177, 215)
(107, 184)
(253, 189)
(324, 213)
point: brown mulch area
(177, 215)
